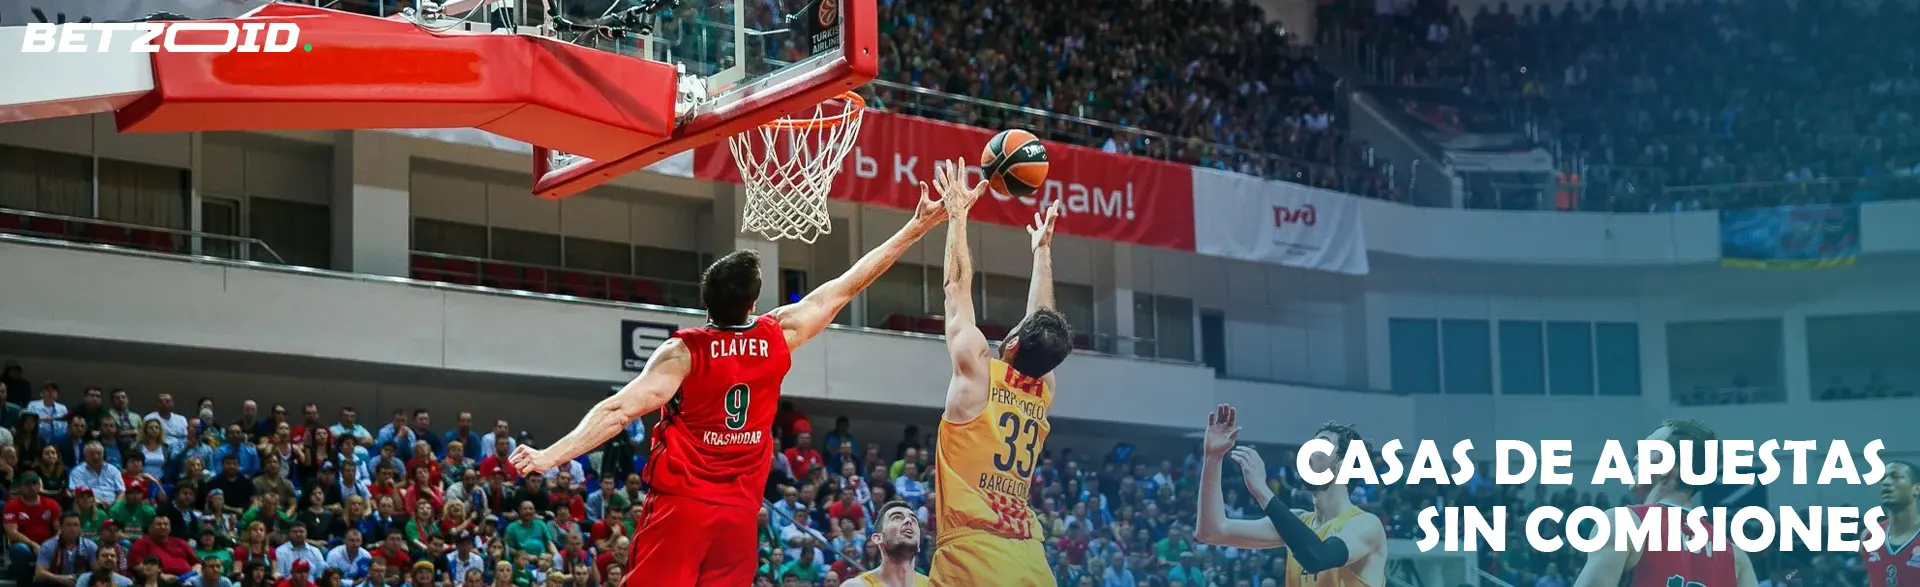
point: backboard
(600, 82)
(743, 63)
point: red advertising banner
(1108, 196)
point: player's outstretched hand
(929, 211)
(1222, 432)
(1254, 470)
(1042, 228)
(951, 181)
(529, 461)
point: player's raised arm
(805, 319)
(1214, 527)
(1040, 288)
(1743, 575)
(1357, 541)
(967, 393)
(646, 393)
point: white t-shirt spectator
(486, 444)
(573, 467)
(284, 556)
(119, 580)
(1316, 121)
(199, 580)
(458, 566)
(351, 566)
(911, 490)
(357, 430)
(175, 425)
(107, 485)
(52, 417)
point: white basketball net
(789, 165)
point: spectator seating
(98, 233)
(551, 280)
(1128, 513)
(1643, 97)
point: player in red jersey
(1898, 563)
(1670, 568)
(720, 386)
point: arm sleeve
(1315, 554)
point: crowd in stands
(1655, 94)
(100, 493)
(1216, 80)
(1210, 83)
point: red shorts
(687, 542)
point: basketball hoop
(789, 164)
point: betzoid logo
(149, 37)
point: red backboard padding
(371, 73)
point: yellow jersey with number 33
(986, 464)
(1341, 577)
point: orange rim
(855, 104)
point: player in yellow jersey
(1335, 545)
(995, 421)
(898, 535)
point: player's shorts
(982, 559)
(685, 542)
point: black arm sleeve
(1315, 555)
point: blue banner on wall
(1790, 237)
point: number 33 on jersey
(986, 464)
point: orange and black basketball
(1015, 163)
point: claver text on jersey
(737, 347)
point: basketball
(1015, 163)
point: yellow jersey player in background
(996, 415)
(898, 534)
(1335, 545)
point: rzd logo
(149, 37)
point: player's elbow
(956, 325)
(956, 285)
(624, 408)
(832, 295)
(1207, 530)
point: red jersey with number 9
(1895, 565)
(714, 439)
(1682, 568)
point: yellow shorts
(985, 560)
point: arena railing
(253, 253)
(1784, 193)
(603, 285)
(1639, 189)
(629, 287)
(917, 101)
(1730, 395)
(108, 233)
